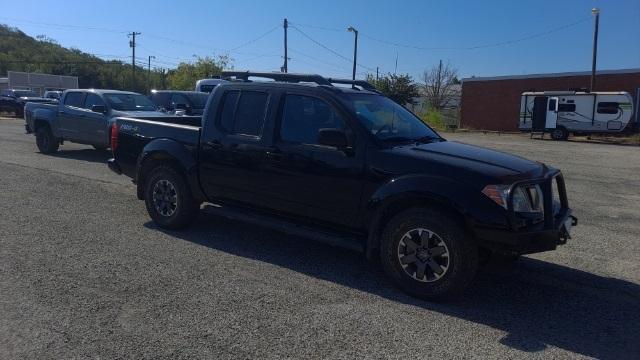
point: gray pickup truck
(84, 116)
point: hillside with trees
(21, 52)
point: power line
(475, 47)
(318, 27)
(72, 27)
(533, 36)
(329, 49)
(336, 66)
(256, 39)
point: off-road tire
(170, 217)
(46, 142)
(462, 253)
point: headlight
(526, 198)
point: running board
(287, 227)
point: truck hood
(26, 99)
(117, 113)
(460, 161)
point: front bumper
(531, 240)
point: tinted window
(130, 102)
(228, 109)
(207, 88)
(74, 99)
(92, 99)
(161, 99)
(179, 99)
(304, 116)
(25, 93)
(198, 100)
(566, 107)
(552, 104)
(250, 113)
(608, 107)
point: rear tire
(428, 254)
(169, 200)
(46, 142)
(560, 133)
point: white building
(37, 82)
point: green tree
(184, 77)
(399, 88)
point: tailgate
(135, 134)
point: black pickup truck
(348, 166)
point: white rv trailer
(207, 85)
(562, 112)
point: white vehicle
(207, 85)
(562, 112)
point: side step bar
(287, 227)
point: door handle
(215, 144)
(274, 154)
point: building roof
(553, 75)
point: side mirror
(99, 109)
(333, 137)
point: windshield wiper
(427, 139)
(397, 139)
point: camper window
(552, 104)
(608, 107)
(566, 107)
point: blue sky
(474, 36)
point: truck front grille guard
(546, 185)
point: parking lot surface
(84, 273)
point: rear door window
(244, 112)
(228, 110)
(75, 99)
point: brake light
(114, 136)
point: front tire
(46, 142)
(428, 254)
(169, 200)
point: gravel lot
(84, 274)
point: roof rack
(365, 85)
(296, 78)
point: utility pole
(355, 51)
(163, 84)
(377, 69)
(149, 74)
(285, 68)
(132, 45)
(596, 12)
(395, 70)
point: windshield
(130, 102)
(199, 100)
(25, 93)
(387, 120)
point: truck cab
(83, 116)
(348, 166)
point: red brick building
(493, 103)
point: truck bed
(135, 133)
